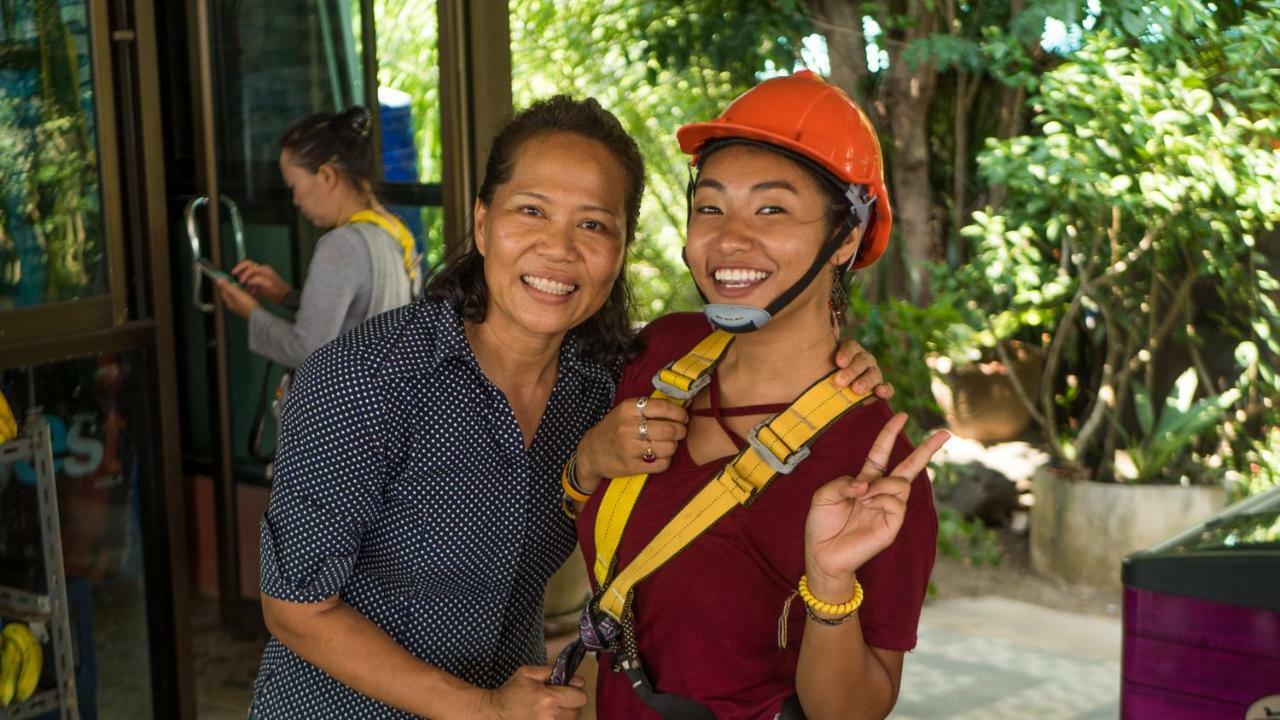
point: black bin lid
(1232, 558)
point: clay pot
(979, 400)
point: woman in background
(363, 265)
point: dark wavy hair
(606, 337)
(344, 140)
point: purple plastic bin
(1202, 620)
(1186, 658)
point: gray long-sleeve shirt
(357, 272)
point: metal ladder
(35, 445)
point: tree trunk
(901, 107)
(840, 22)
(908, 92)
(1012, 101)
(966, 92)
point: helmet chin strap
(747, 318)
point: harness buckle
(680, 394)
(781, 465)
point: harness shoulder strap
(775, 446)
(396, 230)
(678, 382)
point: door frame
(134, 315)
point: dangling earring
(838, 302)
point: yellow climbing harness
(397, 230)
(775, 446)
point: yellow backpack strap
(775, 446)
(678, 382)
(395, 229)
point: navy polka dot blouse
(403, 485)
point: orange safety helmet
(804, 114)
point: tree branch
(1193, 344)
(1106, 389)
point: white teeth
(548, 286)
(739, 276)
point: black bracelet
(829, 622)
(571, 472)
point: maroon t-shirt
(707, 622)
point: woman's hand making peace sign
(852, 519)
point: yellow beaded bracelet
(825, 607)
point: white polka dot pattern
(402, 484)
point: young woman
(800, 594)
(363, 266)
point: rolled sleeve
(329, 476)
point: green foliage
(1260, 470)
(901, 336)
(1169, 437)
(737, 37)
(967, 540)
(408, 61)
(1149, 175)
(1006, 290)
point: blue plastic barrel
(400, 157)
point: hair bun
(358, 118)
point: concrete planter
(1080, 530)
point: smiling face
(553, 236)
(759, 220)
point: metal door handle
(193, 237)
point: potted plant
(990, 351)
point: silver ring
(641, 402)
(883, 470)
(643, 429)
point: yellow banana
(29, 675)
(32, 659)
(10, 660)
(18, 634)
(8, 426)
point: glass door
(249, 70)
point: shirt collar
(451, 342)
(450, 335)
